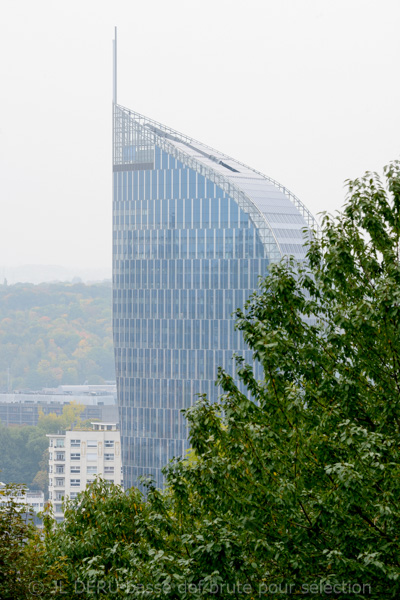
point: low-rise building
(25, 499)
(98, 401)
(76, 457)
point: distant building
(30, 499)
(99, 403)
(35, 499)
(77, 457)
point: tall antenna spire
(115, 66)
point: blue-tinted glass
(179, 213)
(141, 185)
(215, 213)
(192, 243)
(205, 212)
(124, 187)
(244, 219)
(200, 186)
(196, 213)
(219, 243)
(188, 213)
(150, 213)
(192, 184)
(161, 190)
(210, 243)
(185, 257)
(183, 244)
(184, 183)
(168, 184)
(176, 193)
(130, 178)
(210, 189)
(164, 160)
(154, 190)
(200, 243)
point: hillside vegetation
(52, 334)
(24, 457)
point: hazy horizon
(37, 274)
(305, 92)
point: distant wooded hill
(52, 334)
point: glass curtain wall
(185, 256)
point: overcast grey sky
(306, 91)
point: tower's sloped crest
(278, 215)
(194, 230)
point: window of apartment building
(75, 469)
(60, 481)
(108, 469)
(59, 443)
(50, 481)
(50, 456)
(75, 482)
(50, 468)
(59, 469)
(91, 456)
(59, 495)
(50, 495)
(108, 456)
(60, 455)
(92, 443)
(51, 443)
(75, 456)
(73, 495)
(75, 443)
(92, 470)
(58, 508)
(109, 444)
(89, 481)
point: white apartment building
(76, 457)
(30, 499)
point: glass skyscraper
(193, 230)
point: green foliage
(69, 419)
(93, 546)
(21, 449)
(24, 450)
(297, 482)
(304, 473)
(52, 334)
(19, 549)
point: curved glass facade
(191, 236)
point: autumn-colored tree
(52, 334)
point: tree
(69, 419)
(304, 473)
(41, 479)
(21, 449)
(298, 483)
(55, 333)
(90, 552)
(293, 487)
(19, 549)
(24, 449)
